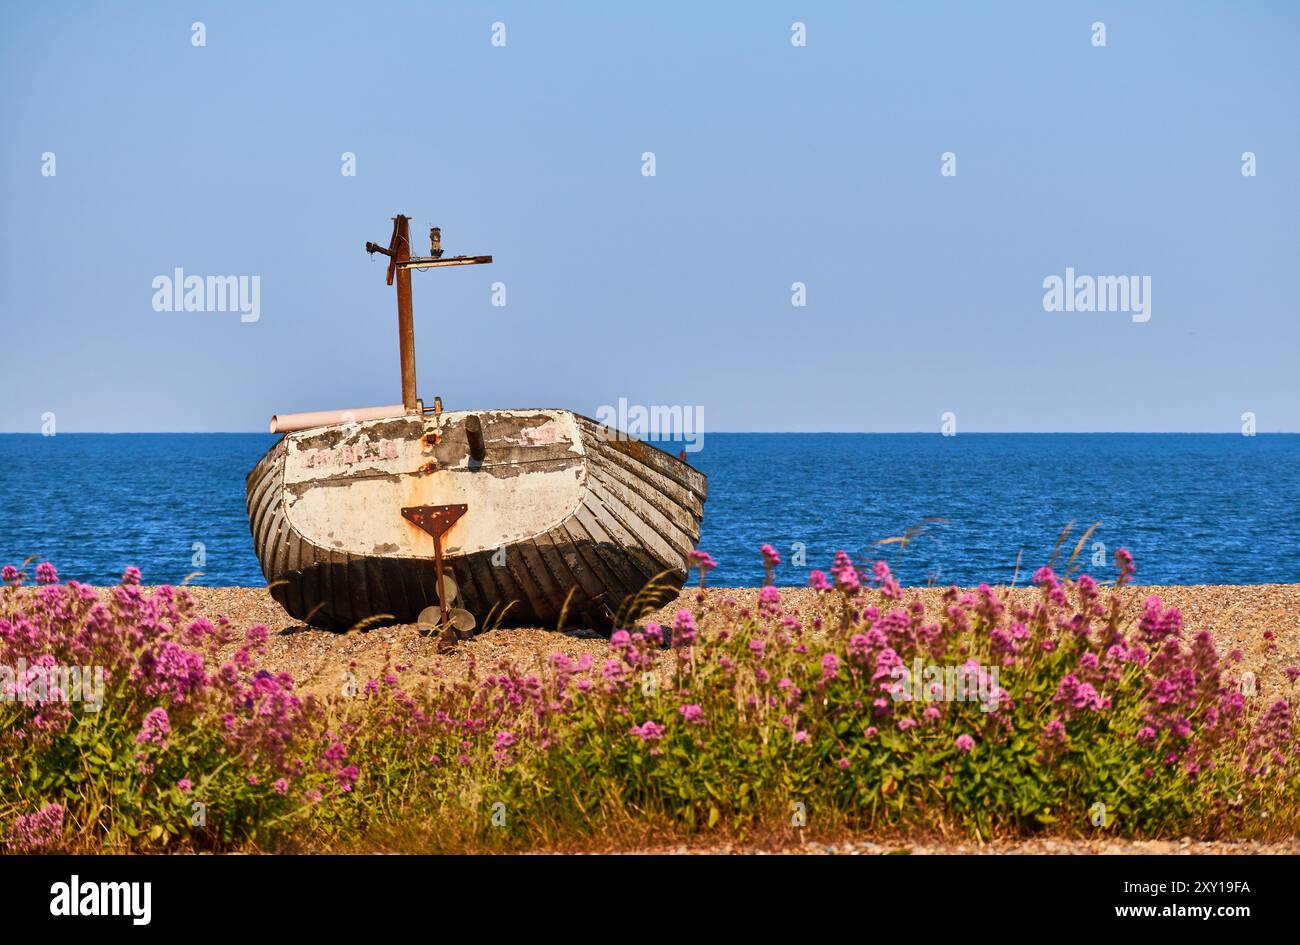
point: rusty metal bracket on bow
(437, 520)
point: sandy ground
(1239, 617)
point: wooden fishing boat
(459, 518)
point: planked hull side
(638, 516)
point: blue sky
(774, 164)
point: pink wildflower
(1124, 561)
(684, 628)
(1079, 695)
(702, 560)
(885, 581)
(156, 728)
(818, 582)
(830, 666)
(846, 575)
(648, 731)
(347, 778)
(34, 831)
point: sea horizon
(1194, 508)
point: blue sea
(1193, 508)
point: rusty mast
(400, 264)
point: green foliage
(1056, 715)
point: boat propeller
(437, 520)
(458, 618)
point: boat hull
(563, 517)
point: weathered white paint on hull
(555, 506)
(343, 496)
